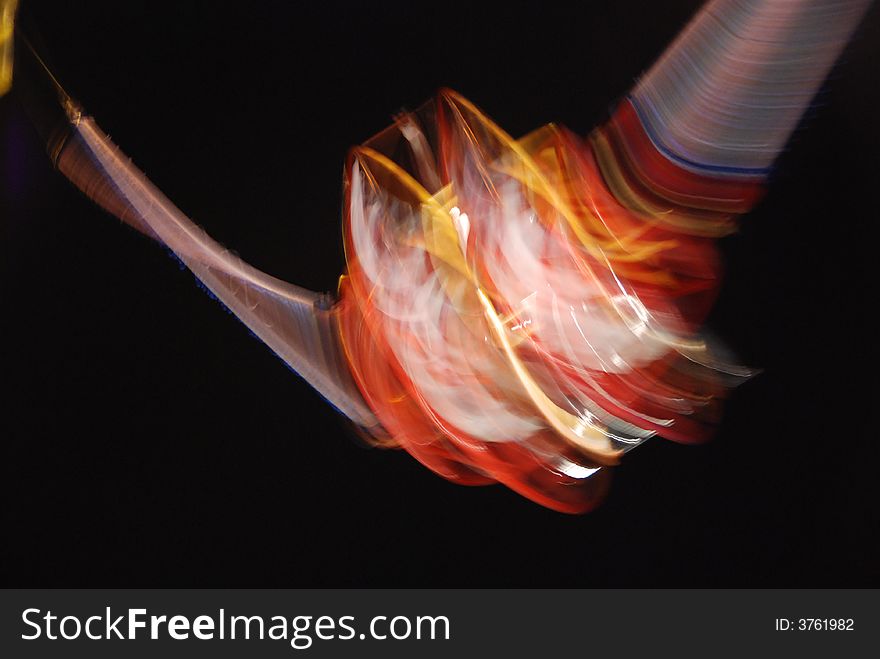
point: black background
(148, 440)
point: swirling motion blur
(524, 311)
(506, 317)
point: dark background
(148, 440)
